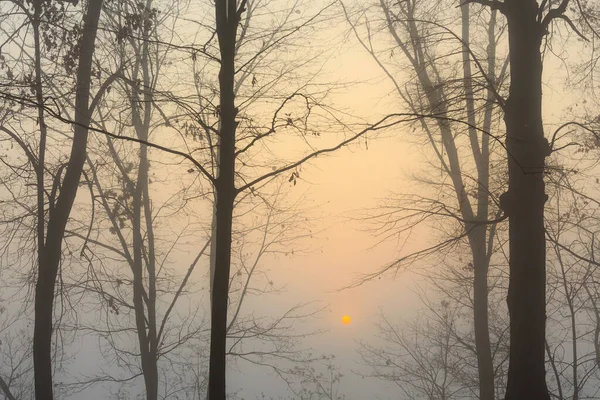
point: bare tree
(233, 147)
(523, 203)
(54, 204)
(423, 359)
(466, 103)
(16, 370)
(571, 228)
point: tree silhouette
(523, 202)
(464, 151)
(62, 195)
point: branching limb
(493, 4)
(58, 116)
(6, 390)
(554, 13)
(383, 123)
(179, 291)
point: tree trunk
(141, 299)
(485, 366)
(477, 234)
(227, 18)
(49, 261)
(478, 238)
(524, 204)
(145, 305)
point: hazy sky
(344, 185)
(349, 182)
(340, 187)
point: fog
(254, 171)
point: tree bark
(478, 238)
(227, 17)
(145, 303)
(49, 261)
(524, 204)
(485, 366)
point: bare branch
(493, 4)
(379, 125)
(554, 13)
(6, 390)
(58, 116)
(180, 290)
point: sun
(346, 320)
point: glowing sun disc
(346, 319)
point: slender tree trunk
(485, 366)
(227, 17)
(42, 337)
(151, 371)
(140, 297)
(143, 301)
(49, 261)
(524, 204)
(593, 300)
(150, 364)
(478, 237)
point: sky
(354, 180)
(339, 188)
(342, 186)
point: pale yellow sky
(340, 186)
(352, 180)
(343, 185)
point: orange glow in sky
(346, 320)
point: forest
(299, 199)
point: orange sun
(346, 319)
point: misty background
(348, 117)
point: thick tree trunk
(524, 204)
(227, 18)
(49, 262)
(220, 294)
